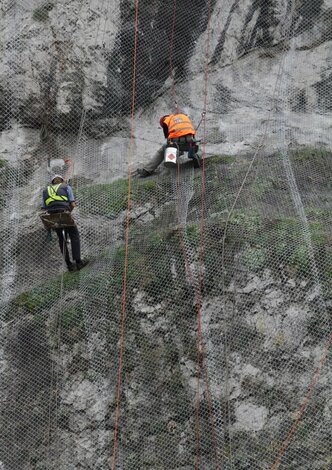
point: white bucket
(56, 163)
(170, 156)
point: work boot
(197, 161)
(71, 266)
(143, 173)
(80, 264)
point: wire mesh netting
(199, 334)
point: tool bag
(57, 220)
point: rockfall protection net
(199, 334)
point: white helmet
(56, 176)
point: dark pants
(74, 236)
(186, 143)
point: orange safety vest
(179, 125)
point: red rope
(190, 274)
(125, 274)
(304, 405)
(198, 287)
(206, 83)
(201, 353)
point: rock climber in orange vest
(178, 129)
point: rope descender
(202, 117)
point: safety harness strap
(53, 196)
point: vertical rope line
(197, 287)
(59, 318)
(201, 357)
(55, 370)
(125, 273)
(304, 405)
(83, 113)
(306, 234)
(191, 276)
(181, 236)
(171, 48)
(260, 146)
(50, 415)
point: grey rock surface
(65, 91)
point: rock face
(81, 55)
(73, 62)
(198, 336)
(235, 357)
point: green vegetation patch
(314, 154)
(148, 264)
(267, 242)
(219, 159)
(257, 242)
(282, 238)
(247, 220)
(134, 264)
(110, 199)
(42, 297)
(107, 200)
(262, 186)
(263, 240)
(193, 232)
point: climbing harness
(55, 220)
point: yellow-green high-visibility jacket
(55, 196)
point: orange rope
(190, 274)
(201, 353)
(125, 274)
(304, 405)
(198, 287)
(200, 349)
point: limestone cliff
(61, 58)
(211, 296)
